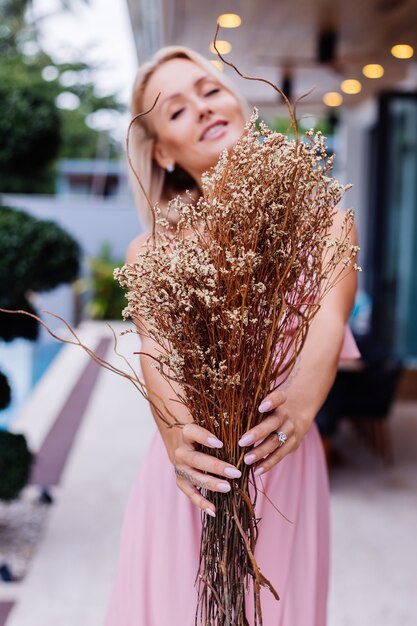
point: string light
(224, 47)
(217, 64)
(373, 70)
(332, 99)
(402, 51)
(351, 86)
(229, 20)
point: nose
(203, 108)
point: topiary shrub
(5, 392)
(36, 255)
(16, 462)
(12, 326)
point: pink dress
(160, 540)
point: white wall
(91, 221)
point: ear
(161, 156)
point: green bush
(283, 125)
(36, 255)
(107, 297)
(5, 392)
(12, 326)
(16, 462)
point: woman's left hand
(270, 451)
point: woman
(197, 115)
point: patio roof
(290, 38)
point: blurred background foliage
(5, 392)
(47, 112)
(107, 299)
(282, 125)
(16, 461)
(45, 107)
(36, 255)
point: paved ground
(69, 574)
(374, 518)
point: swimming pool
(24, 363)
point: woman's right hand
(190, 465)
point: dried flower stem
(229, 299)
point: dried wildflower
(230, 298)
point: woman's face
(195, 117)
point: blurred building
(97, 177)
(356, 62)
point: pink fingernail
(246, 440)
(213, 441)
(233, 472)
(259, 471)
(250, 458)
(210, 512)
(223, 487)
(265, 406)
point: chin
(232, 139)
(228, 143)
(216, 149)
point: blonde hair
(153, 177)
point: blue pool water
(24, 363)
(44, 354)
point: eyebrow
(176, 95)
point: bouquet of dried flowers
(229, 299)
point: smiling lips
(214, 130)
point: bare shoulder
(338, 222)
(138, 245)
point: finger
(203, 481)
(275, 457)
(270, 444)
(263, 429)
(195, 433)
(206, 463)
(272, 401)
(195, 496)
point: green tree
(30, 128)
(34, 131)
(78, 139)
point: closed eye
(212, 91)
(176, 114)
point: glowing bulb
(351, 86)
(229, 20)
(373, 70)
(224, 47)
(218, 64)
(332, 99)
(402, 51)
